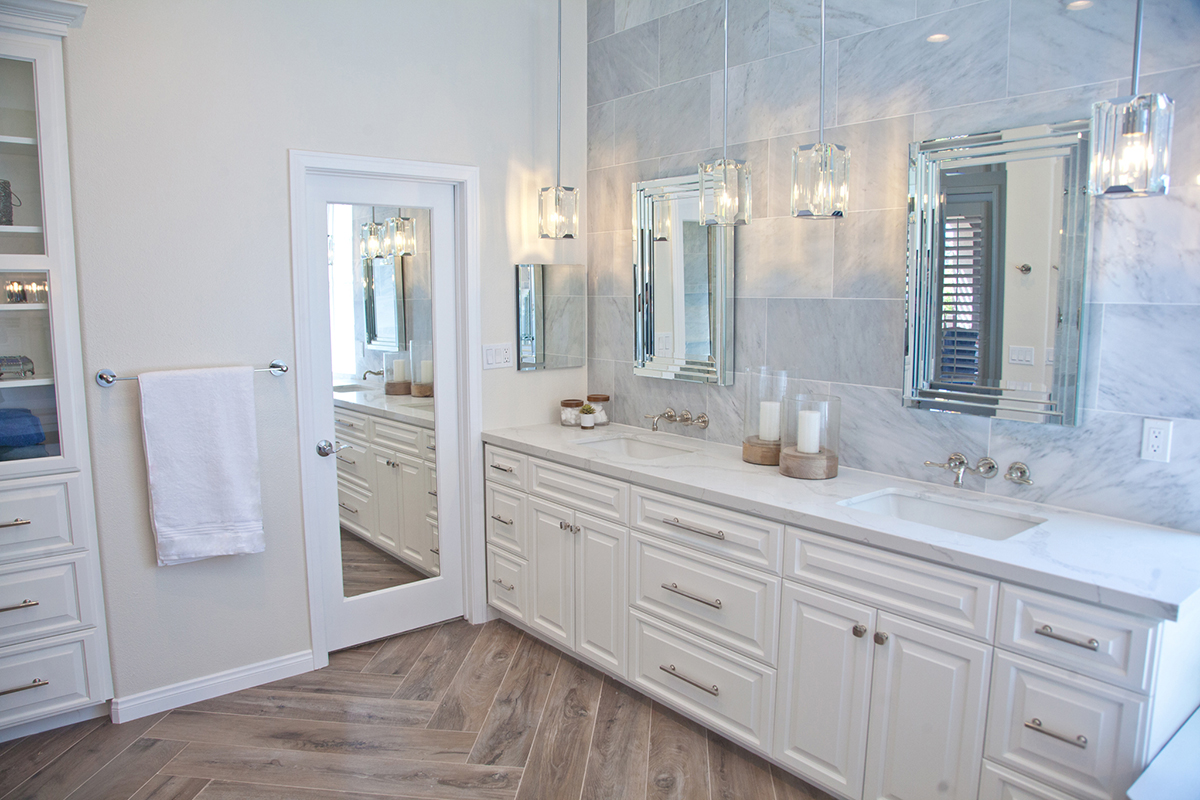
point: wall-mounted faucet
(378, 372)
(1018, 473)
(958, 464)
(683, 419)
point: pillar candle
(808, 431)
(768, 421)
(426, 371)
(400, 369)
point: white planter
(587, 421)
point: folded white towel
(202, 463)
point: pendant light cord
(725, 111)
(1137, 50)
(558, 172)
(821, 110)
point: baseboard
(57, 721)
(183, 693)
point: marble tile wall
(826, 298)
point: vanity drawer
(998, 783)
(505, 523)
(428, 445)
(351, 423)
(947, 598)
(36, 519)
(728, 534)
(683, 587)
(355, 510)
(49, 676)
(1095, 641)
(354, 463)
(1071, 732)
(43, 600)
(505, 467)
(579, 490)
(508, 588)
(431, 495)
(399, 438)
(728, 692)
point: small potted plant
(587, 417)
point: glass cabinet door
(28, 403)
(21, 223)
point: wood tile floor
(366, 568)
(452, 711)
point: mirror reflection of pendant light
(821, 172)
(725, 182)
(1131, 138)
(558, 206)
(369, 236)
(662, 220)
(400, 237)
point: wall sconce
(558, 206)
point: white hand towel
(202, 463)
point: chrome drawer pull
(670, 670)
(1036, 725)
(348, 508)
(344, 424)
(431, 447)
(345, 460)
(16, 522)
(502, 469)
(674, 587)
(435, 551)
(22, 604)
(675, 523)
(506, 587)
(502, 520)
(1046, 630)
(432, 494)
(36, 683)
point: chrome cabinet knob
(859, 631)
(880, 637)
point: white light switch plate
(498, 356)
(1156, 439)
(1020, 355)
(662, 344)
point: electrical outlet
(498, 356)
(1156, 439)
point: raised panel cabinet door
(601, 603)
(414, 541)
(928, 703)
(825, 654)
(388, 526)
(552, 571)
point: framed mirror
(551, 316)
(997, 253)
(383, 283)
(682, 286)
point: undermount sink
(961, 516)
(633, 446)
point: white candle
(808, 431)
(426, 371)
(768, 421)
(400, 369)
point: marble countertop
(399, 408)
(1124, 565)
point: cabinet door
(928, 698)
(552, 567)
(414, 539)
(600, 576)
(387, 524)
(825, 656)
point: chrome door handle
(714, 690)
(674, 587)
(505, 586)
(325, 448)
(859, 631)
(502, 469)
(502, 520)
(22, 604)
(1079, 741)
(348, 508)
(35, 684)
(16, 522)
(675, 523)
(1046, 630)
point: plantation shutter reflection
(962, 262)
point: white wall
(180, 118)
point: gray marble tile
(1169, 35)
(1149, 358)
(636, 124)
(797, 23)
(635, 12)
(754, 153)
(847, 341)
(784, 257)
(692, 40)
(750, 333)
(623, 64)
(869, 253)
(774, 96)
(601, 377)
(610, 194)
(1012, 112)
(622, 270)
(610, 328)
(1146, 250)
(684, 112)
(1091, 338)
(894, 70)
(724, 408)
(926, 7)
(641, 395)
(1096, 468)
(881, 435)
(600, 263)
(601, 18)
(600, 134)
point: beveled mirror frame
(719, 367)
(925, 219)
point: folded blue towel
(20, 428)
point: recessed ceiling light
(937, 38)
(1079, 5)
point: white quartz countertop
(399, 408)
(1124, 565)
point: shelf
(18, 146)
(20, 228)
(24, 306)
(20, 383)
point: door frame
(464, 179)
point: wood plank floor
(475, 712)
(366, 568)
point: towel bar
(106, 377)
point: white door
(600, 575)
(825, 655)
(928, 704)
(387, 611)
(552, 566)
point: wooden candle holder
(422, 390)
(756, 451)
(808, 466)
(397, 387)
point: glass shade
(369, 239)
(400, 236)
(811, 436)
(724, 192)
(661, 220)
(558, 212)
(820, 181)
(1131, 146)
(762, 418)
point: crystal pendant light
(369, 239)
(1131, 138)
(662, 220)
(399, 237)
(821, 171)
(558, 206)
(725, 182)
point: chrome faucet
(1018, 473)
(378, 372)
(668, 415)
(683, 419)
(958, 464)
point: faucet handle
(685, 418)
(701, 421)
(986, 467)
(954, 462)
(669, 415)
(1018, 473)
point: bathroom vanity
(1015, 650)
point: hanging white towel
(202, 463)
